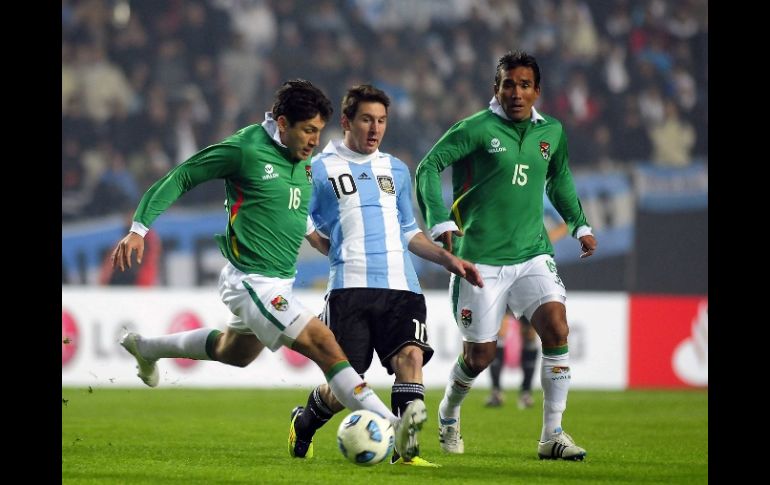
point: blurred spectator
(129, 73)
(672, 140)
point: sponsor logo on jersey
(309, 174)
(279, 303)
(269, 172)
(466, 317)
(364, 176)
(545, 150)
(386, 184)
(496, 148)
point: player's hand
(121, 255)
(446, 238)
(464, 268)
(587, 246)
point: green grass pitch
(193, 436)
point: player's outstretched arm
(424, 248)
(318, 242)
(121, 255)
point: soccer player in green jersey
(266, 170)
(502, 159)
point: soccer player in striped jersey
(502, 159)
(266, 170)
(363, 220)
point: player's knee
(479, 358)
(237, 358)
(409, 357)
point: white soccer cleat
(561, 446)
(408, 429)
(148, 371)
(449, 436)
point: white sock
(353, 392)
(460, 382)
(190, 344)
(555, 377)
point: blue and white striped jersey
(363, 204)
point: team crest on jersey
(279, 303)
(386, 184)
(545, 149)
(466, 317)
(309, 174)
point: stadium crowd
(145, 84)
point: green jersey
(267, 198)
(498, 178)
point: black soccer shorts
(367, 319)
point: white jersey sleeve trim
(309, 226)
(583, 231)
(139, 228)
(409, 235)
(443, 227)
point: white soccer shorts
(264, 306)
(522, 287)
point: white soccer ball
(365, 438)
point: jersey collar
(338, 148)
(496, 108)
(271, 127)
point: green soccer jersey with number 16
(267, 199)
(498, 178)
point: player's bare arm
(318, 242)
(424, 248)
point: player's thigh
(400, 321)
(264, 305)
(478, 311)
(536, 282)
(348, 313)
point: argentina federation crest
(386, 184)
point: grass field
(190, 436)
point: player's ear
(283, 123)
(345, 122)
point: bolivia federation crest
(309, 174)
(386, 184)
(545, 150)
(279, 303)
(466, 317)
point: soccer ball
(365, 438)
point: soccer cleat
(526, 400)
(298, 448)
(415, 461)
(561, 446)
(148, 371)
(408, 429)
(449, 436)
(495, 399)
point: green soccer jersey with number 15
(267, 199)
(498, 178)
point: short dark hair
(515, 59)
(362, 93)
(299, 100)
